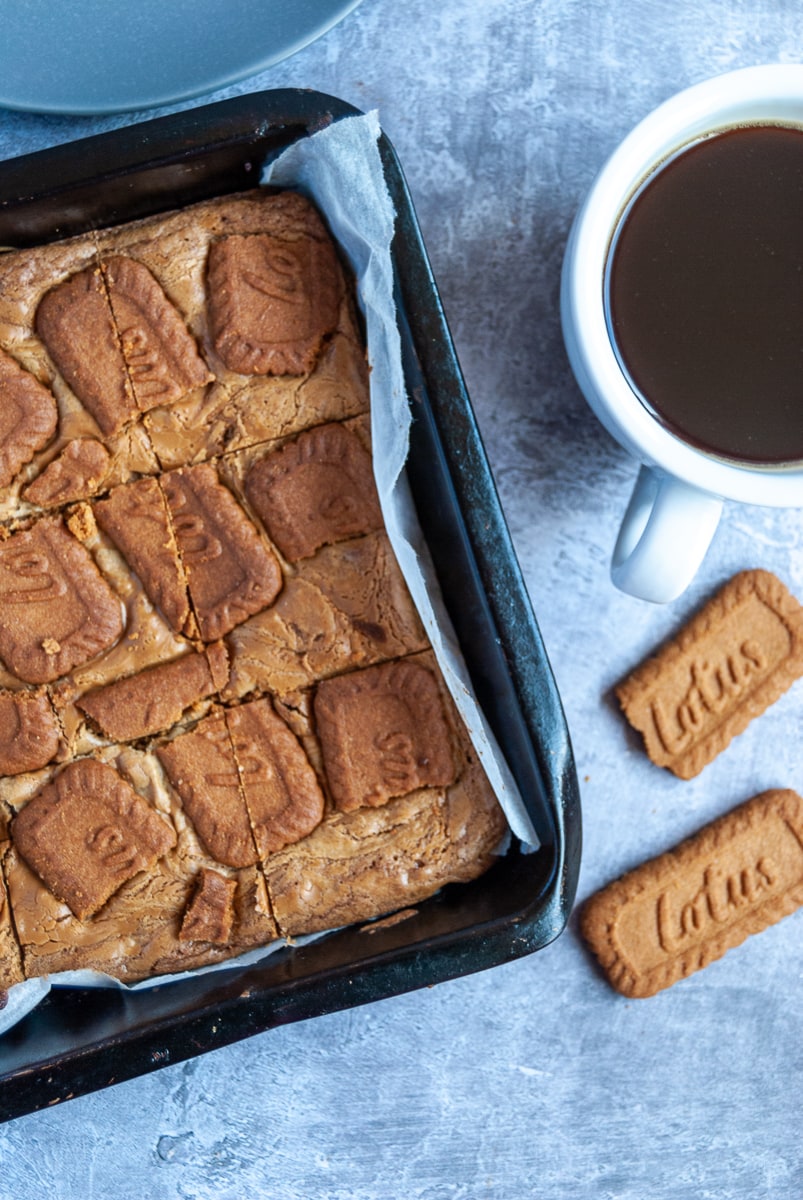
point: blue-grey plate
(96, 56)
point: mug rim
(771, 94)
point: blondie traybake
(221, 722)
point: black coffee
(705, 294)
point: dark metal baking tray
(78, 1040)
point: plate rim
(287, 47)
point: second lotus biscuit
(682, 910)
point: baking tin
(78, 1040)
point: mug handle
(665, 533)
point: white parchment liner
(340, 169)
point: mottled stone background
(534, 1080)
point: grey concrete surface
(534, 1080)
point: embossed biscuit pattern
(272, 301)
(161, 359)
(28, 417)
(282, 794)
(30, 735)
(734, 659)
(676, 913)
(384, 733)
(77, 471)
(87, 833)
(57, 611)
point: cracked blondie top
(221, 722)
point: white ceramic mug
(677, 499)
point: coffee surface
(705, 294)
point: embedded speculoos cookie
(231, 573)
(77, 472)
(272, 301)
(221, 721)
(29, 732)
(383, 733)
(161, 358)
(202, 768)
(87, 833)
(281, 790)
(316, 490)
(136, 518)
(725, 667)
(678, 912)
(118, 342)
(210, 912)
(75, 323)
(56, 609)
(28, 417)
(156, 699)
